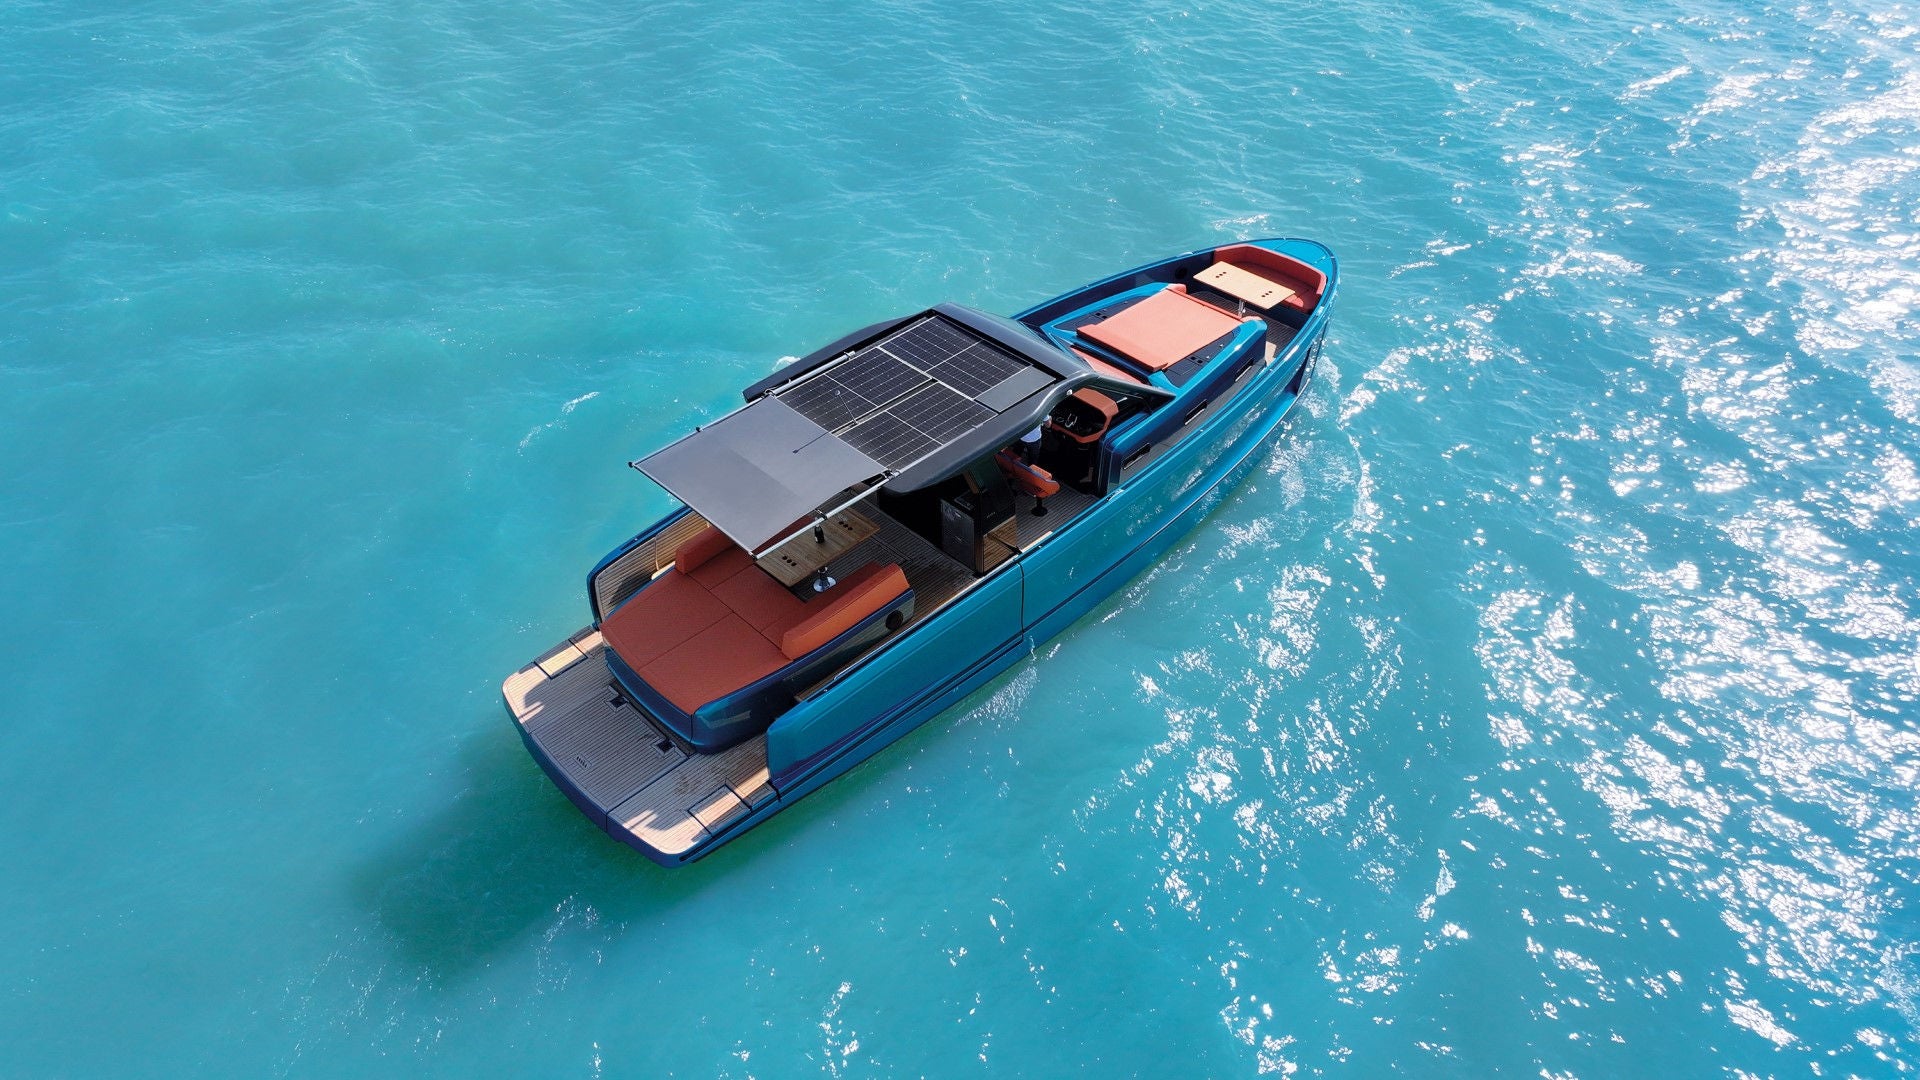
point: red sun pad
(1163, 329)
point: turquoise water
(1543, 705)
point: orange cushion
(866, 591)
(722, 567)
(753, 595)
(663, 615)
(713, 663)
(704, 545)
(1108, 407)
(1163, 329)
(1031, 479)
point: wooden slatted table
(1244, 284)
(795, 560)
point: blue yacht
(894, 519)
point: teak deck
(621, 761)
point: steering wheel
(1076, 422)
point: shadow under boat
(467, 882)
(497, 861)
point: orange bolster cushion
(869, 590)
(705, 544)
(1307, 282)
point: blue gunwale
(1241, 411)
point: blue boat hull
(909, 680)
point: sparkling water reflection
(1543, 703)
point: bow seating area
(1296, 287)
(1163, 329)
(715, 623)
(1160, 327)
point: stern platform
(629, 774)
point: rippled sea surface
(1545, 704)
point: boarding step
(641, 781)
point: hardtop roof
(904, 403)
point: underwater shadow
(467, 882)
(501, 858)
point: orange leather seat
(710, 665)
(1162, 330)
(716, 622)
(1029, 478)
(660, 618)
(701, 549)
(1108, 409)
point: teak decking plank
(664, 812)
(559, 658)
(608, 751)
(612, 753)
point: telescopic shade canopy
(755, 472)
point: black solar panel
(877, 377)
(977, 369)
(886, 402)
(827, 403)
(889, 440)
(928, 343)
(853, 389)
(941, 414)
(930, 417)
(952, 355)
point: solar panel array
(953, 356)
(906, 396)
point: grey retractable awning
(755, 472)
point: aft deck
(628, 772)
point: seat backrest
(1308, 282)
(867, 591)
(1027, 477)
(700, 548)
